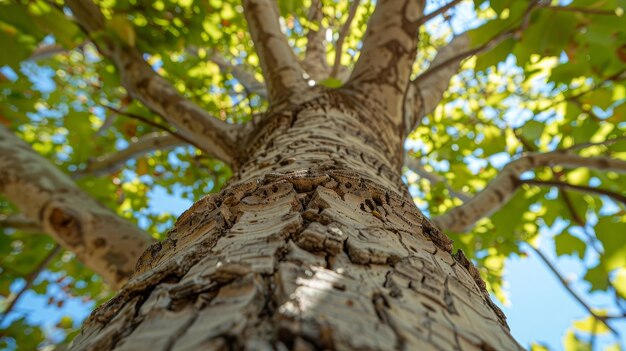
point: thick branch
(503, 186)
(315, 61)
(283, 74)
(426, 91)
(145, 85)
(114, 161)
(102, 240)
(343, 33)
(382, 72)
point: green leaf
(598, 277)
(612, 233)
(572, 343)
(591, 325)
(331, 82)
(66, 322)
(532, 130)
(53, 21)
(538, 347)
(123, 29)
(567, 244)
(602, 98)
(495, 55)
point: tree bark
(314, 244)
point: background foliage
(547, 77)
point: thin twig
(439, 11)
(486, 46)
(587, 189)
(154, 124)
(30, 278)
(614, 77)
(590, 144)
(574, 294)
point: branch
(343, 33)
(502, 187)
(29, 279)
(427, 90)
(114, 161)
(382, 72)
(145, 85)
(513, 32)
(102, 240)
(283, 74)
(21, 223)
(416, 166)
(439, 11)
(600, 143)
(244, 77)
(208, 147)
(315, 62)
(45, 51)
(565, 283)
(581, 188)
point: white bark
(382, 73)
(283, 74)
(503, 186)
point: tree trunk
(314, 244)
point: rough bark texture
(314, 244)
(102, 240)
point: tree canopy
(529, 90)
